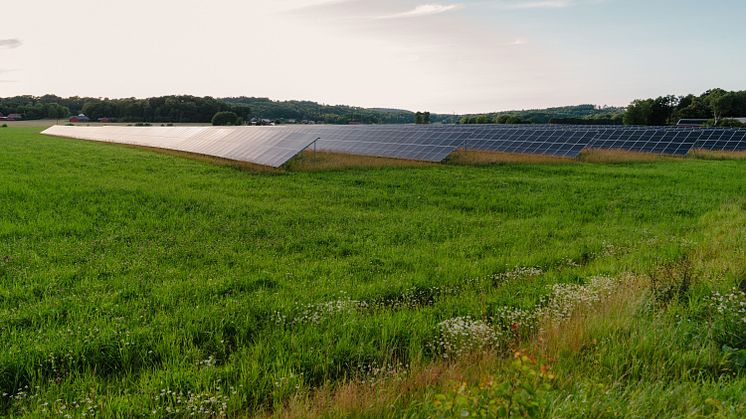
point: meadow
(142, 283)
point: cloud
(517, 42)
(538, 4)
(542, 4)
(300, 5)
(10, 43)
(425, 10)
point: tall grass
(137, 283)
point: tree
(225, 118)
(725, 105)
(730, 123)
(57, 111)
(638, 112)
(662, 109)
(692, 107)
(422, 118)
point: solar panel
(721, 140)
(268, 146)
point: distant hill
(201, 109)
(578, 114)
(330, 114)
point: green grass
(125, 273)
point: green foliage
(225, 118)
(518, 392)
(4, 126)
(300, 111)
(422, 118)
(729, 123)
(581, 114)
(657, 111)
(157, 109)
(716, 104)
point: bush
(518, 392)
(5, 125)
(225, 118)
(730, 123)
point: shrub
(730, 123)
(225, 118)
(5, 125)
(519, 392)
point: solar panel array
(426, 143)
(529, 140)
(721, 140)
(269, 146)
(273, 146)
(653, 140)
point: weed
(729, 318)
(672, 281)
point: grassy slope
(124, 273)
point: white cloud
(425, 10)
(540, 4)
(517, 42)
(10, 43)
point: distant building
(14, 117)
(80, 118)
(257, 121)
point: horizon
(453, 57)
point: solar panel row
(268, 146)
(273, 146)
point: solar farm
(274, 146)
(144, 277)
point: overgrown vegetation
(136, 283)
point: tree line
(579, 115)
(192, 109)
(156, 109)
(716, 105)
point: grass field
(135, 283)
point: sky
(450, 56)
